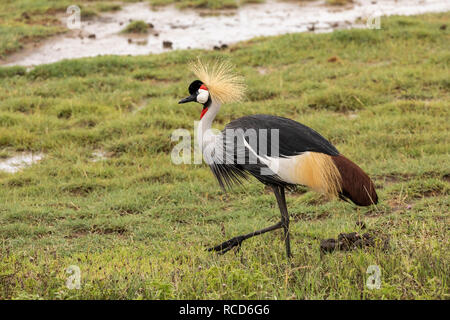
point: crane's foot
(236, 241)
(228, 245)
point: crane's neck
(205, 135)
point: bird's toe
(227, 245)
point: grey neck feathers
(204, 134)
(210, 115)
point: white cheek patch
(202, 96)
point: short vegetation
(137, 225)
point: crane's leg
(281, 199)
(236, 241)
(284, 223)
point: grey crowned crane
(279, 152)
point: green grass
(137, 225)
(138, 26)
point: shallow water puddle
(184, 29)
(100, 155)
(20, 161)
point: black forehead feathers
(194, 86)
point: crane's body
(279, 152)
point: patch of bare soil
(108, 230)
(307, 217)
(389, 179)
(76, 235)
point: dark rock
(346, 240)
(220, 47)
(167, 44)
(349, 237)
(350, 241)
(92, 36)
(329, 245)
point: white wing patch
(284, 168)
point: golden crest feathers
(222, 82)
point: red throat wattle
(203, 87)
(203, 112)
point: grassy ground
(137, 225)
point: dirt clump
(353, 240)
(167, 44)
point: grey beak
(191, 98)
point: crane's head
(217, 83)
(199, 93)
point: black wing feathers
(295, 138)
(227, 175)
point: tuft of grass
(137, 26)
(108, 7)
